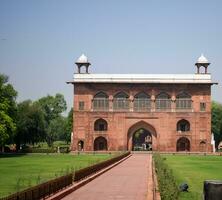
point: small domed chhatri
(82, 59)
(202, 59)
(202, 62)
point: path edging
(156, 192)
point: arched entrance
(100, 144)
(142, 140)
(183, 144)
(142, 137)
(203, 146)
(80, 145)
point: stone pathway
(128, 180)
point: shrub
(167, 183)
(64, 149)
(37, 150)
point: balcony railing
(163, 104)
(121, 104)
(142, 105)
(100, 104)
(183, 104)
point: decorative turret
(202, 62)
(83, 61)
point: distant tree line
(30, 122)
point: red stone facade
(117, 128)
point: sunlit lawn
(19, 172)
(194, 170)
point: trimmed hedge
(37, 150)
(167, 183)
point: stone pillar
(131, 103)
(153, 103)
(111, 103)
(173, 103)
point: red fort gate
(160, 112)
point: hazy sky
(40, 40)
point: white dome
(82, 59)
(202, 59)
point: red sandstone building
(160, 112)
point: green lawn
(194, 170)
(21, 171)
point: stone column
(153, 103)
(131, 103)
(111, 103)
(173, 103)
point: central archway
(142, 140)
(141, 137)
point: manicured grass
(21, 171)
(194, 170)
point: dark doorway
(142, 140)
(80, 145)
(183, 144)
(202, 146)
(100, 144)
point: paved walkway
(128, 180)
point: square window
(81, 105)
(202, 106)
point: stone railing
(142, 105)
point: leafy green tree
(60, 128)
(30, 123)
(217, 122)
(52, 108)
(69, 126)
(56, 129)
(7, 110)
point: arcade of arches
(142, 137)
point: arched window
(121, 101)
(183, 101)
(142, 102)
(100, 144)
(183, 125)
(163, 101)
(101, 101)
(100, 125)
(183, 144)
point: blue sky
(40, 40)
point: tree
(7, 110)
(69, 126)
(30, 124)
(217, 122)
(56, 129)
(52, 108)
(60, 128)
